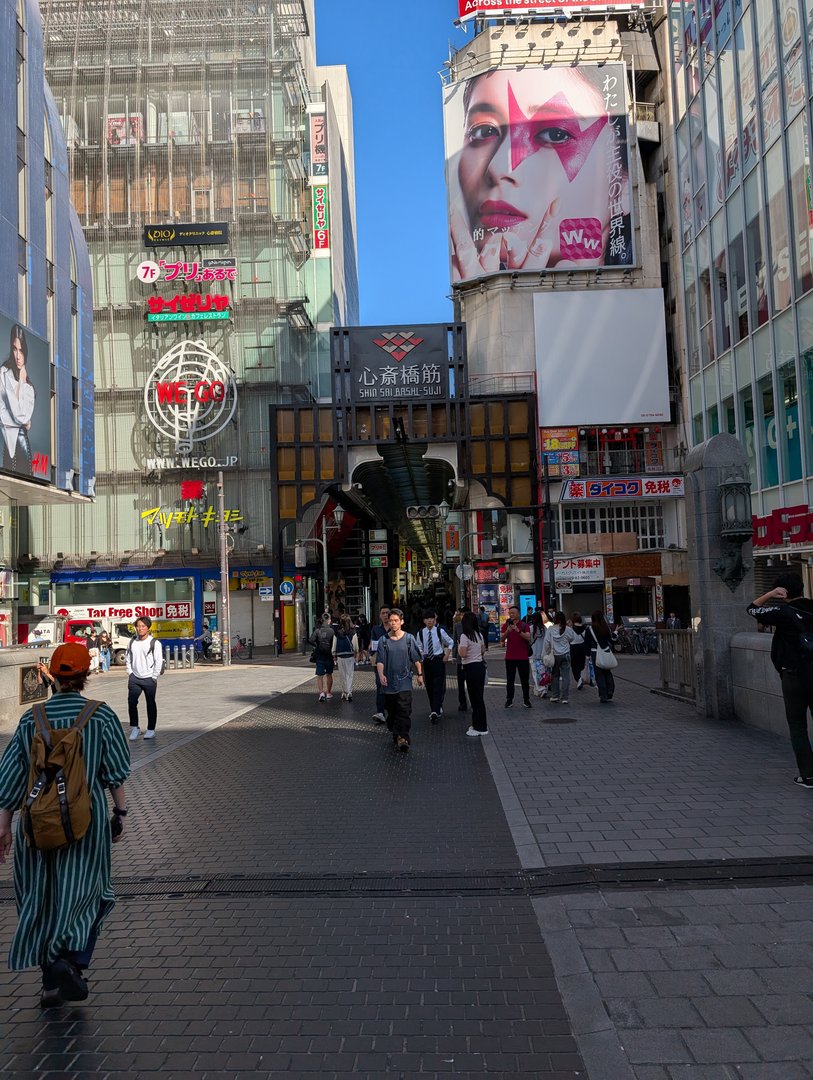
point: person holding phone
(516, 637)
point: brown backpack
(56, 811)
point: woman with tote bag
(599, 640)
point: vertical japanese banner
(537, 170)
(321, 219)
(609, 610)
(319, 146)
(659, 613)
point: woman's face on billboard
(536, 152)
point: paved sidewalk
(298, 899)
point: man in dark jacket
(786, 608)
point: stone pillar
(718, 609)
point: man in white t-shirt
(145, 662)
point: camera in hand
(116, 827)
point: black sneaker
(63, 980)
(527, 704)
(804, 781)
(508, 704)
(433, 716)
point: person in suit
(673, 622)
(436, 647)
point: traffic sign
(286, 587)
(266, 593)
(379, 562)
(564, 586)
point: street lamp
(736, 528)
(299, 550)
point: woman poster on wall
(25, 394)
(538, 170)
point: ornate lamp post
(736, 528)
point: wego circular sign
(190, 395)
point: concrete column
(718, 609)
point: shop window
(286, 463)
(326, 463)
(738, 282)
(285, 426)
(363, 422)
(305, 426)
(307, 463)
(477, 418)
(517, 417)
(287, 502)
(767, 432)
(439, 422)
(478, 454)
(326, 425)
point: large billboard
(601, 357)
(468, 9)
(537, 170)
(25, 402)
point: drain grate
(559, 720)
(541, 881)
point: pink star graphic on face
(523, 131)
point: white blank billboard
(601, 357)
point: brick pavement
(643, 779)
(670, 984)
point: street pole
(548, 509)
(324, 561)
(225, 628)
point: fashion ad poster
(25, 402)
(537, 170)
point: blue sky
(393, 50)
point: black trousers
(475, 675)
(604, 681)
(523, 669)
(434, 676)
(399, 713)
(798, 697)
(135, 688)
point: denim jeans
(561, 677)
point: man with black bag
(786, 609)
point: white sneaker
(579, 684)
(553, 699)
(344, 697)
(321, 697)
(148, 734)
(329, 697)
(134, 733)
(379, 718)
(475, 734)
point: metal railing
(676, 652)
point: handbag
(606, 659)
(312, 657)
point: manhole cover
(559, 720)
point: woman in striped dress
(64, 896)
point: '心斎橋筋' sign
(203, 232)
(388, 364)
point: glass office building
(741, 81)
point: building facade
(740, 88)
(213, 176)
(557, 178)
(46, 378)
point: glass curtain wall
(742, 84)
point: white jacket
(16, 407)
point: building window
(778, 227)
(645, 521)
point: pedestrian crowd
(543, 653)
